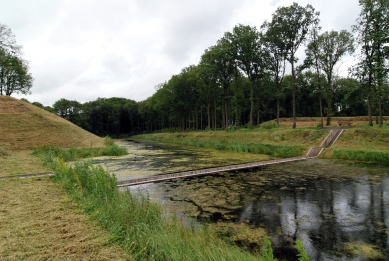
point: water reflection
(340, 212)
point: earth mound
(24, 126)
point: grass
(39, 221)
(18, 162)
(360, 143)
(73, 153)
(24, 126)
(137, 224)
(273, 142)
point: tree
(69, 110)
(248, 54)
(14, 71)
(292, 25)
(14, 75)
(220, 61)
(325, 52)
(373, 38)
(276, 49)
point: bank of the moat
(338, 209)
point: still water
(340, 210)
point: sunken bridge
(313, 153)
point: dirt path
(39, 222)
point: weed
(302, 255)
(267, 250)
(108, 141)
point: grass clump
(138, 224)
(359, 155)
(270, 125)
(47, 153)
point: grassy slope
(37, 220)
(24, 126)
(360, 137)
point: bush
(270, 125)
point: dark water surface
(339, 210)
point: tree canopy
(14, 70)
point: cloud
(87, 49)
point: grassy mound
(24, 126)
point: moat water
(339, 210)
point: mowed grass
(38, 221)
(25, 126)
(18, 162)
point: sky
(83, 49)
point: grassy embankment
(358, 143)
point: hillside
(24, 126)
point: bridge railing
(331, 137)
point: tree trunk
(209, 115)
(381, 121)
(293, 94)
(278, 108)
(369, 109)
(321, 113)
(214, 103)
(226, 113)
(252, 103)
(223, 116)
(258, 117)
(329, 111)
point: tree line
(242, 80)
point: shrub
(270, 125)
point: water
(339, 210)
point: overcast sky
(83, 49)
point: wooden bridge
(313, 153)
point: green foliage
(108, 141)
(302, 255)
(138, 224)
(48, 153)
(256, 148)
(373, 156)
(270, 125)
(14, 70)
(267, 250)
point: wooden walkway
(155, 178)
(313, 153)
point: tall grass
(257, 148)
(359, 155)
(72, 154)
(136, 223)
